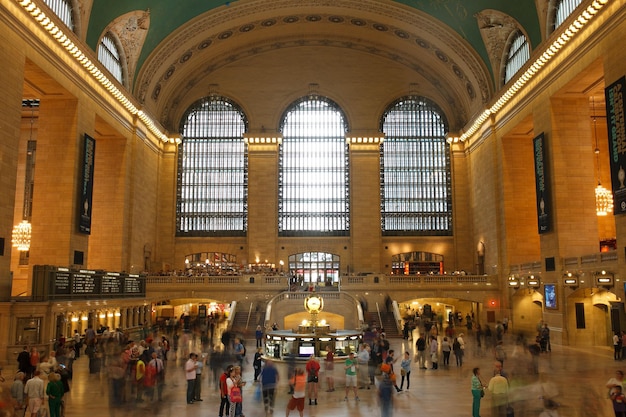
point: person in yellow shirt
(499, 388)
(140, 372)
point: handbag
(235, 395)
(402, 372)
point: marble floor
(574, 377)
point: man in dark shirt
(421, 351)
(23, 362)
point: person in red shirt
(312, 371)
(224, 405)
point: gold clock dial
(313, 304)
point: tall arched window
(212, 170)
(563, 9)
(109, 56)
(415, 170)
(63, 9)
(313, 184)
(313, 267)
(518, 53)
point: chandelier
(22, 231)
(604, 201)
(21, 236)
(604, 198)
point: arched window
(518, 53)
(415, 170)
(313, 267)
(563, 9)
(63, 9)
(413, 263)
(109, 56)
(313, 183)
(212, 170)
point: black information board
(58, 283)
(111, 284)
(62, 282)
(85, 283)
(134, 284)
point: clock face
(313, 303)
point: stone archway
(587, 317)
(526, 311)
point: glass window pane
(518, 55)
(313, 181)
(415, 170)
(109, 56)
(63, 9)
(564, 9)
(213, 170)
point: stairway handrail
(302, 295)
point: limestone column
(55, 237)
(365, 210)
(566, 124)
(263, 204)
(572, 177)
(11, 90)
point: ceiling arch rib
(414, 40)
(447, 91)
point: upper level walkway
(397, 286)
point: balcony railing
(586, 263)
(346, 282)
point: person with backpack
(165, 347)
(239, 350)
(385, 391)
(420, 357)
(312, 369)
(458, 352)
(224, 404)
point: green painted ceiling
(168, 15)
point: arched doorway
(589, 313)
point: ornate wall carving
(495, 29)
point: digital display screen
(306, 350)
(550, 295)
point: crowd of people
(137, 371)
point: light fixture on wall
(604, 198)
(21, 236)
(22, 231)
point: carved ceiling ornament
(495, 28)
(131, 30)
(412, 30)
(453, 98)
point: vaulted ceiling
(452, 48)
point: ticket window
(28, 331)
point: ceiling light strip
(58, 34)
(583, 19)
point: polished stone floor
(574, 377)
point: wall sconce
(514, 282)
(533, 282)
(604, 279)
(571, 280)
